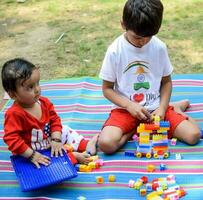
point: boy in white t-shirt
(136, 75)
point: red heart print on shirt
(138, 97)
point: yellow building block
(112, 178)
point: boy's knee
(106, 146)
(193, 138)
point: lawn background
(31, 30)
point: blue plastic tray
(31, 178)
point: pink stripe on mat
(80, 85)
(185, 150)
(187, 82)
(155, 162)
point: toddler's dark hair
(15, 70)
(143, 17)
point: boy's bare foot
(92, 145)
(82, 158)
(181, 106)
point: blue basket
(32, 178)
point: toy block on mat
(31, 178)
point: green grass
(89, 27)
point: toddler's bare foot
(82, 158)
(181, 106)
(92, 145)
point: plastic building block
(150, 168)
(131, 183)
(93, 158)
(32, 178)
(164, 124)
(173, 141)
(92, 165)
(77, 167)
(178, 156)
(100, 162)
(162, 167)
(112, 178)
(143, 192)
(129, 153)
(156, 119)
(144, 179)
(135, 137)
(138, 184)
(149, 187)
(99, 179)
(68, 148)
(84, 168)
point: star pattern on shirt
(47, 129)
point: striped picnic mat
(80, 104)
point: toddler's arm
(135, 109)
(56, 144)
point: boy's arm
(165, 94)
(135, 109)
(114, 97)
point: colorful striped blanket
(80, 104)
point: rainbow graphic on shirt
(140, 66)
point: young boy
(31, 123)
(136, 75)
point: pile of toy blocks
(95, 163)
(152, 140)
(164, 188)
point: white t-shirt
(137, 72)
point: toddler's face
(136, 40)
(28, 93)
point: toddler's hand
(138, 111)
(38, 158)
(82, 158)
(56, 148)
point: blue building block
(162, 167)
(161, 144)
(164, 124)
(32, 178)
(129, 153)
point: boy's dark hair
(143, 17)
(14, 71)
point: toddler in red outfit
(32, 124)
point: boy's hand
(138, 111)
(38, 158)
(159, 112)
(56, 148)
